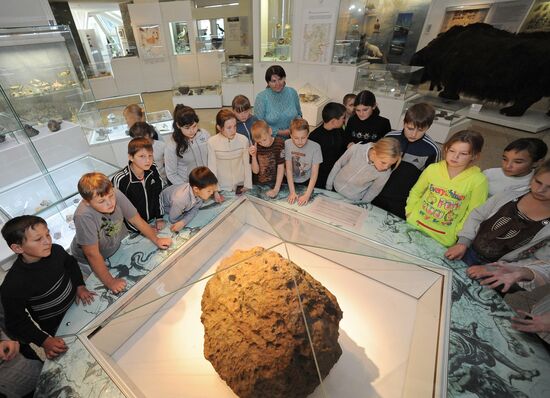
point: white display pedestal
(199, 101)
(61, 146)
(392, 108)
(532, 121)
(103, 87)
(128, 75)
(312, 112)
(231, 90)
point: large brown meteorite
(254, 330)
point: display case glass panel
(276, 30)
(213, 89)
(42, 74)
(55, 186)
(103, 120)
(393, 333)
(446, 112)
(210, 35)
(180, 38)
(161, 121)
(389, 80)
(237, 71)
(356, 33)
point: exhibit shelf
(532, 121)
(482, 355)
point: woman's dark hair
(274, 70)
(184, 116)
(367, 98)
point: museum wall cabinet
(43, 148)
(392, 84)
(237, 79)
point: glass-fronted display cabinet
(210, 36)
(161, 121)
(268, 277)
(179, 32)
(103, 120)
(357, 33)
(43, 149)
(276, 30)
(207, 96)
(446, 112)
(237, 79)
(389, 80)
(241, 71)
(41, 72)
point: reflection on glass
(276, 30)
(211, 33)
(357, 33)
(389, 80)
(180, 38)
(237, 71)
(386, 297)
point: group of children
(441, 193)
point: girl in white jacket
(228, 156)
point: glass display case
(237, 71)
(207, 96)
(103, 120)
(447, 112)
(357, 33)
(312, 102)
(210, 35)
(389, 80)
(179, 33)
(42, 74)
(161, 121)
(393, 334)
(276, 30)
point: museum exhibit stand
(413, 323)
(237, 79)
(312, 102)
(44, 146)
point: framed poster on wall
(464, 15)
(149, 41)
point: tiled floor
(496, 137)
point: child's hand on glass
(8, 349)
(177, 226)
(292, 197)
(272, 193)
(302, 200)
(53, 346)
(159, 224)
(218, 197)
(163, 243)
(116, 285)
(456, 252)
(84, 296)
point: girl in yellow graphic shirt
(448, 191)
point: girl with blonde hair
(362, 171)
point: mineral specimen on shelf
(30, 130)
(54, 125)
(255, 333)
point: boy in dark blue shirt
(418, 150)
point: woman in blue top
(278, 104)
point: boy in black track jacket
(140, 182)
